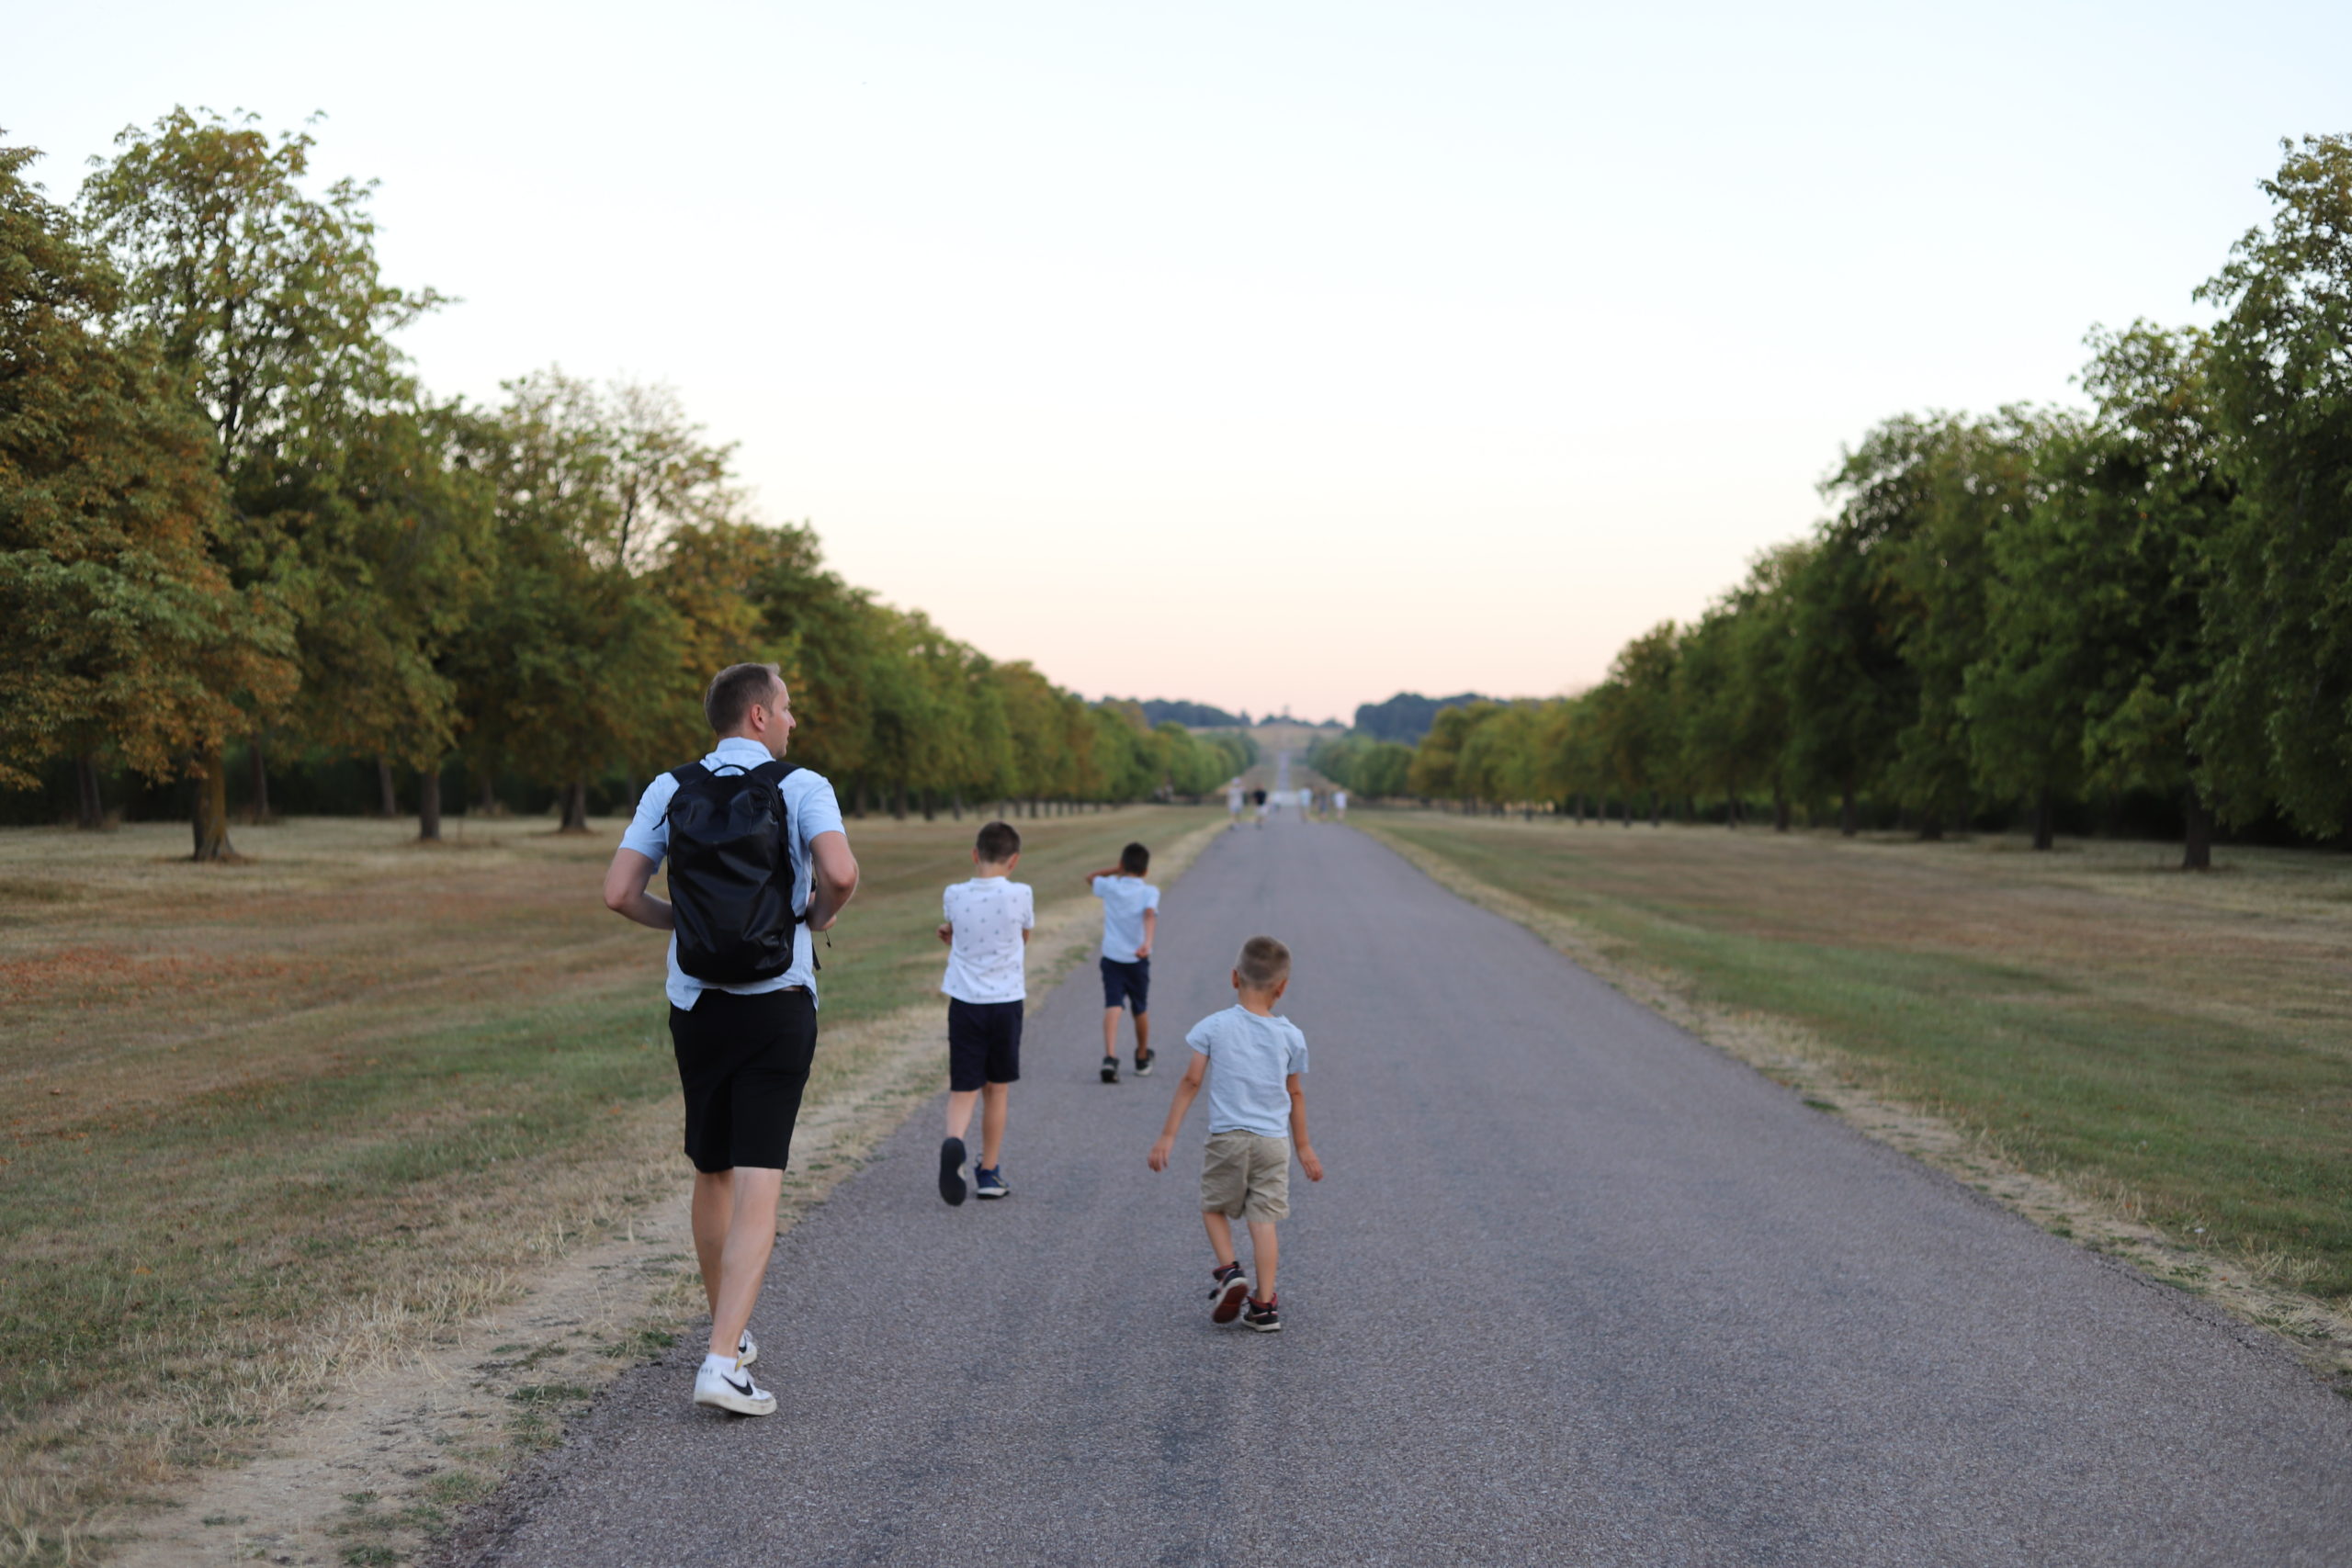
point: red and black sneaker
(1230, 1292)
(1262, 1316)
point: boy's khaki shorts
(1246, 1175)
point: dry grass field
(266, 1122)
(2177, 1046)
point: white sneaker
(733, 1390)
(747, 1350)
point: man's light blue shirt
(810, 809)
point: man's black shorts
(743, 1061)
(983, 1043)
(1126, 982)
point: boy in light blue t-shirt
(1130, 925)
(1253, 1060)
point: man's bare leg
(714, 1210)
(1111, 1031)
(994, 1101)
(1143, 1034)
(735, 1210)
(1220, 1231)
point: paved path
(1575, 1289)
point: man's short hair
(1135, 860)
(1264, 963)
(997, 842)
(734, 690)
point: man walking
(758, 861)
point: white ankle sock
(718, 1363)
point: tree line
(232, 520)
(2026, 609)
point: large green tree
(576, 665)
(118, 625)
(2277, 725)
(269, 303)
(2096, 663)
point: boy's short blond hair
(1264, 965)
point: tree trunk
(1780, 811)
(388, 801)
(1848, 819)
(2045, 827)
(1656, 809)
(1731, 813)
(930, 808)
(1931, 826)
(575, 807)
(898, 801)
(956, 805)
(858, 797)
(90, 804)
(488, 802)
(257, 768)
(2196, 849)
(211, 819)
(428, 802)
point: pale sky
(1274, 354)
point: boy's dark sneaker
(988, 1182)
(951, 1171)
(1262, 1317)
(1110, 1070)
(1229, 1293)
(1143, 1062)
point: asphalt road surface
(1576, 1289)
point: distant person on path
(987, 932)
(1253, 1060)
(1260, 797)
(758, 860)
(1130, 924)
(1235, 799)
(1338, 806)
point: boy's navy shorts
(983, 1043)
(743, 1061)
(1127, 982)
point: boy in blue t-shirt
(1130, 924)
(1257, 1116)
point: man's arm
(1186, 1087)
(834, 882)
(624, 892)
(1307, 1161)
(1150, 932)
(1106, 871)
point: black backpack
(731, 871)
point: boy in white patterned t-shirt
(987, 932)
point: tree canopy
(2019, 610)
